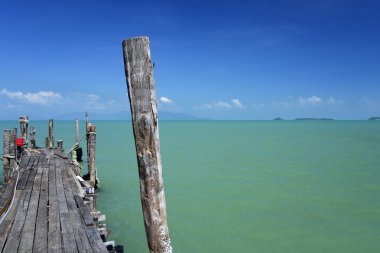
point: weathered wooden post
(24, 121)
(6, 153)
(78, 149)
(46, 142)
(51, 134)
(76, 131)
(60, 145)
(142, 97)
(91, 145)
(13, 150)
(32, 137)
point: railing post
(142, 97)
(91, 145)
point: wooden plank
(77, 189)
(82, 242)
(24, 161)
(54, 234)
(27, 236)
(41, 234)
(96, 241)
(7, 195)
(68, 239)
(88, 219)
(32, 175)
(25, 175)
(31, 162)
(6, 225)
(83, 245)
(71, 205)
(84, 239)
(14, 236)
(43, 161)
(24, 178)
(60, 190)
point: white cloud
(166, 100)
(236, 103)
(331, 101)
(40, 97)
(222, 105)
(308, 101)
(314, 100)
(92, 102)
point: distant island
(374, 118)
(313, 119)
(278, 118)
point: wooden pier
(45, 205)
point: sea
(244, 186)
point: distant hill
(278, 118)
(313, 119)
(125, 115)
(374, 118)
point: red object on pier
(19, 142)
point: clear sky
(226, 59)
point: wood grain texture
(6, 153)
(142, 97)
(91, 156)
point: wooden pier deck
(48, 212)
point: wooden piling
(32, 137)
(142, 97)
(91, 145)
(13, 151)
(6, 153)
(24, 121)
(51, 134)
(60, 145)
(46, 142)
(76, 131)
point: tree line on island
(278, 118)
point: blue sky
(216, 59)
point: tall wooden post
(76, 131)
(13, 150)
(91, 145)
(6, 153)
(51, 134)
(24, 121)
(32, 137)
(142, 97)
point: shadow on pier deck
(48, 208)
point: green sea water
(245, 186)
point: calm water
(246, 186)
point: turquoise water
(246, 186)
